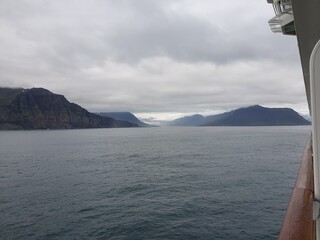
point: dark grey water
(150, 183)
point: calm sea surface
(148, 183)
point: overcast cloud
(155, 58)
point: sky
(158, 59)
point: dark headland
(38, 108)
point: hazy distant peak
(258, 115)
(255, 115)
(257, 106)
(124, 116)
(191, 120)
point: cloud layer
(149, 56)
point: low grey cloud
(148, 56)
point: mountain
(196, 120)
(307, 117)
(260, 116)
(38, 108)
(193, 120)
(124, 116)
(250, 116)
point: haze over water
(148, 183)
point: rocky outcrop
(38, 108)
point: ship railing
(314, 71)
(298, 223)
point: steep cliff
(38, 108)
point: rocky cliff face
(38, 108)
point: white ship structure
(301, 18)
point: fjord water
(148, 183)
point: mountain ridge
(255, 115)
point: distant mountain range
(38, 108)
(124, 116)
(250, 116)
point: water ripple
(174, 183)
